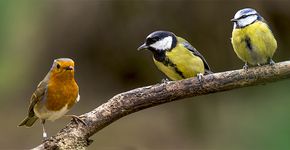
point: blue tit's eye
(57, 66)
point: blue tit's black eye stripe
(245, 16)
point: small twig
(75, 136)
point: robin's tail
(28, 121)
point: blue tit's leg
(165, 80)
(271, 62)
(44, 134)
(200, 77)
(77, 119)
(246, 67)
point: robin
(54, 95)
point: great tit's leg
(271, 61)
(200, 77)
(165, 80)
(44, 134)
(77, 119)
(246, 67)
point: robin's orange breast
(61, 92)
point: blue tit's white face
(245, 17)
(160, 41)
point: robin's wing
(37, 96)
(195, 52)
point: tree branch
(76, 136)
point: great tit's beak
(143, 46)
(69, 68)
(234, 20)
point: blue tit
(252, 39)
(174, 56)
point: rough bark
(76, 136)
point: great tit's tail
(206, 71)
(28, 121)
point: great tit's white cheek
(163, 44)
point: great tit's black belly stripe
(167, 62)
(248, 43)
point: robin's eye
(57, 66)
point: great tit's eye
(152, 40)
(57, 66)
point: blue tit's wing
(196, 53)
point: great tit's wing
(37, 96)
(196, 53)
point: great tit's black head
(245, 17)
(159, 41)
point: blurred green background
(102, 37)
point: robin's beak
(69, 68)
(234, 20)
(143, 46)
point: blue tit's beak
(143, 46)
(234, 20)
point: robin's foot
(77, 119)
(271, 62)
(246, 67)
(44, 136)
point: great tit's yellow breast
(254, 43)
(186, 61)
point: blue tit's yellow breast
(181, 64)
(254, 43)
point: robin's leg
(44, 135)
(76, 119)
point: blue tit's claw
(271, 62)
(165, 80)
(246, 67)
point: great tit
(252, 39)
(174, 56)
